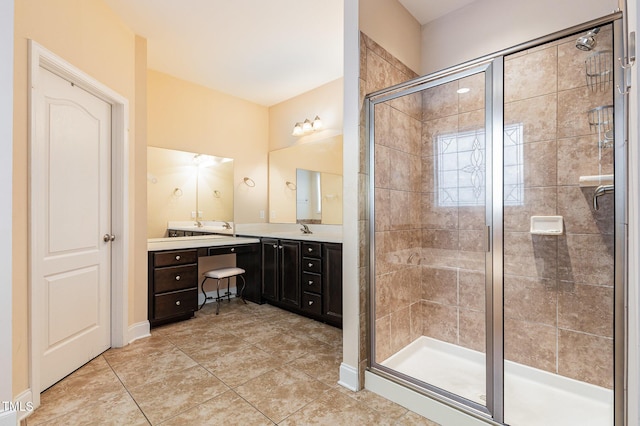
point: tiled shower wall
(397, 199)
(430, 259)
(558, 290)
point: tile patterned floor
(250, 365)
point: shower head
(587, 41)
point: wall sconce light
(307, 126)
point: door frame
(41, 57)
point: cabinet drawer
(175, 303)
(311, 249)
(311, 282)
(174, 258)
(175, 278)
(312, 303)
(241, 248)
(310, 264)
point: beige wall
(394, 28)
(324, 101)
(92, 38)
(138, 293)
(190, 117)
(494, 25)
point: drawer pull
(310, 249)
(233, 249)
(310, 302)
(177, 277)
(177, 302)
(178, 257)
(310, 264)
(310, 282)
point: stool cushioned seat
(218, 274)
(221, 274)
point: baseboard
(23, 406)
(348, 377)
(139, 330)
(8, 418)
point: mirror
(318, 197)
(181, 183)
(319, 162)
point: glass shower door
(431, 210)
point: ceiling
(262, 51)
(427, 10)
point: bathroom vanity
(304, 277)
(173, 272)
(301, 273)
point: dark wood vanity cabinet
(281, 272)
(174, 279)
(173, 285)
(304, 277)
(332, 282)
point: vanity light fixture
(307, 126)
(297, 129)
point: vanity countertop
(174, 243)
(298, 235)
(320, 233)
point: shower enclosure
(497, 201)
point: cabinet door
(290, 272)
(248, 258)
(332, 282)
(270, 269)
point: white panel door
(73, 189)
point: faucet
(198, 223)
(600, 191)
(226, 225)
(305, 229)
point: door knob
(108, 237)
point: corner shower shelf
(595, 180)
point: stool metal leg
(244, 284)
(218, 298)
(204, 293)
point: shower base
(532, 396)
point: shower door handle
(487, 238)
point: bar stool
(220, 274)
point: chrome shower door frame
(493, 66)
(494, 367)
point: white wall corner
(7, 414)
(139, 330)
(8, 417)
(348, 377)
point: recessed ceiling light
(463, 90)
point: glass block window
(461, 167)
